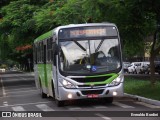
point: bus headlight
(67, 84)
(116, 81)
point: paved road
(18, 93)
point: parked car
(157, 68)
(2, 70)
(142, 67)
(131, 68)
(125, 66)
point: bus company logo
(6, 114)
(92, 85)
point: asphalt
(18, 93)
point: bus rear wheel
(108, 99)
(43, 95)
(59, 103)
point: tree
(18, 28)
(136, 20)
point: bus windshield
(89, 56)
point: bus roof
(49, 34)
(44, 36)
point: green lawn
(143, 88)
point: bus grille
(87, 92)
(98, 85)
(92, 79)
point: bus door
(54, 66)
(45, 67)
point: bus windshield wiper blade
(99, 45)
(80, 46)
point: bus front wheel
(109, 99)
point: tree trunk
(153, 53)
(152, 69)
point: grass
(142, 88)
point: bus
(79, 61)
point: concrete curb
(143, 99)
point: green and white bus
(79, 61)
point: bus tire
(59, 103)
(43, 95)
(109, 99)
(53, 91)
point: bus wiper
(80, 46)
(99, 45)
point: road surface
(19, 94)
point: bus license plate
(92, 95)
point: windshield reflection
(87, 56)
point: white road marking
(5, 103)
(100, 107)
(19, 95)
(102, 116)
(147, 105)
(27, 104)
(3, 88)
(122, 105)
(21, 91)
(44, 107)
(18, 108)
(74, 108)
(21, 77)
(19, 86)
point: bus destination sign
(88, 32)
(82, 32)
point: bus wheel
(59, 103)
(53, 91)
(109, 99)
(43, 95)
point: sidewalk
(143, 99)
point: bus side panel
(36, 76)
(42, 77)
(49, 78)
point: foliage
(138, 86)
(17, 28)
(24, 20)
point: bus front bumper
(69, 94)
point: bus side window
(49, 49)
(54, 49)
(38, 52)
(42, 52)
(35, 53)
(53, 53)
(48, 54)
